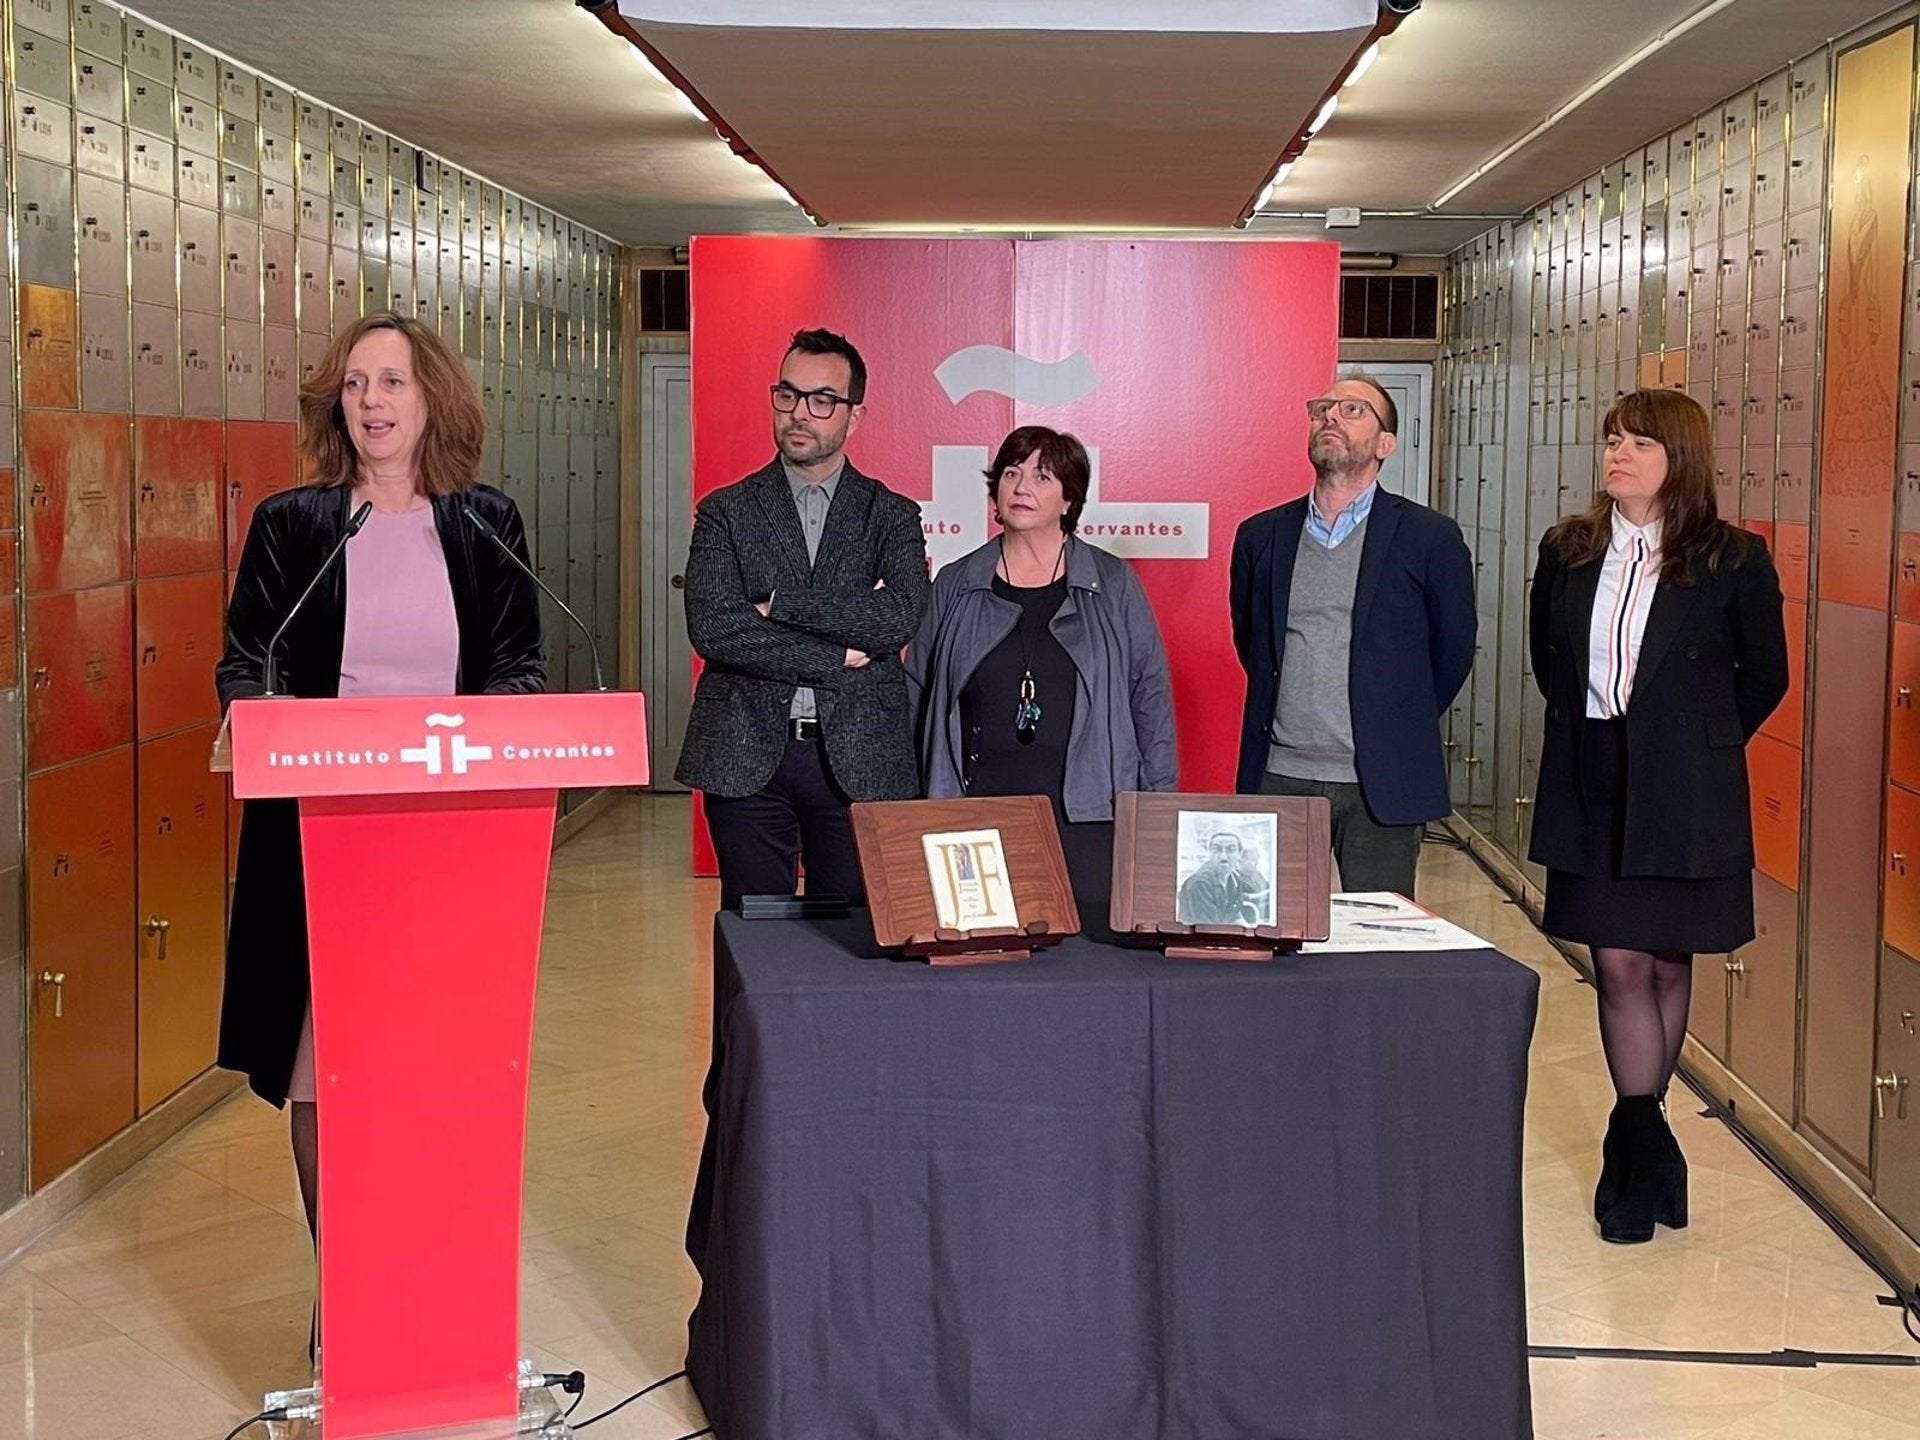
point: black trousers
(1371, 856)
(762, 839)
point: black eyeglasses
(820, 403)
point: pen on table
(1396, 929)
(1364, 904)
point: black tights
(1643, 1015)
(304, 1124)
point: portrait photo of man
(1228, 889)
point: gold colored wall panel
(1866, 274)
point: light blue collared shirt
(1328, 536)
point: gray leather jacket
(1123, 736)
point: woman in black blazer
(1657, 641)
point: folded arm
(875, 618)
(728, 631)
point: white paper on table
(1401, 925)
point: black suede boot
(1671, 1209)
(1645, 1173)
(1612, 1163)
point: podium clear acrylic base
(540, 1415)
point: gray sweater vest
(1312, 717)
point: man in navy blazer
(1353, 618)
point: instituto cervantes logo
(442, 754)
(955, 519)
(427, 752)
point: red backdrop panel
(1182, 366)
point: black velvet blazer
(498, 612)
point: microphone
(358, 519)
(593, 647)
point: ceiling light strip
(1357, 64)
(1639, 57)
(607, 12)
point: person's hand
(857, 658)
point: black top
(998, 762)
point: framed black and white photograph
(1225, 868)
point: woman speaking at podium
(383, 574)
(1038, 669)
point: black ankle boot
(1612, 1164)
(1645, 1173)
(1671, 1208)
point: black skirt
(1604, 908)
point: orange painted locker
(178, 624)
(8, 518)
(1788, 721)
(79, 475)
(1900, 911)
(1903, 707)
(79, 674)
(80, 944)
(9, 564)
(1790, 558)
(49, 348)
(9, 642)
(260, 462)
(1773, 772)
(181, 918)
(176, 496)
(1906, 586)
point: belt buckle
(802, 727)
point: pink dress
(402, 639)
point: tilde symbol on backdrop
(954, 518)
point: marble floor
(166, 1307)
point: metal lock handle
(158, 927)
(58, 980)
(1895, 1081)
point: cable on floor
(261, 1419)
(644, 1390)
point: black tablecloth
(1104, 1195)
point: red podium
(427, 828)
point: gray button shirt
(812, 499)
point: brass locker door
(181, 912)
(81, 979)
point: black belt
(803, 728)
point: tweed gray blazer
(747, 544)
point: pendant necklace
(1026, 714)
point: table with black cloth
(1105, 1195)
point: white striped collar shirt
(1620, 607)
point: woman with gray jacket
(1038, 669)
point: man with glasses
(1353, 618)
(804, 580)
